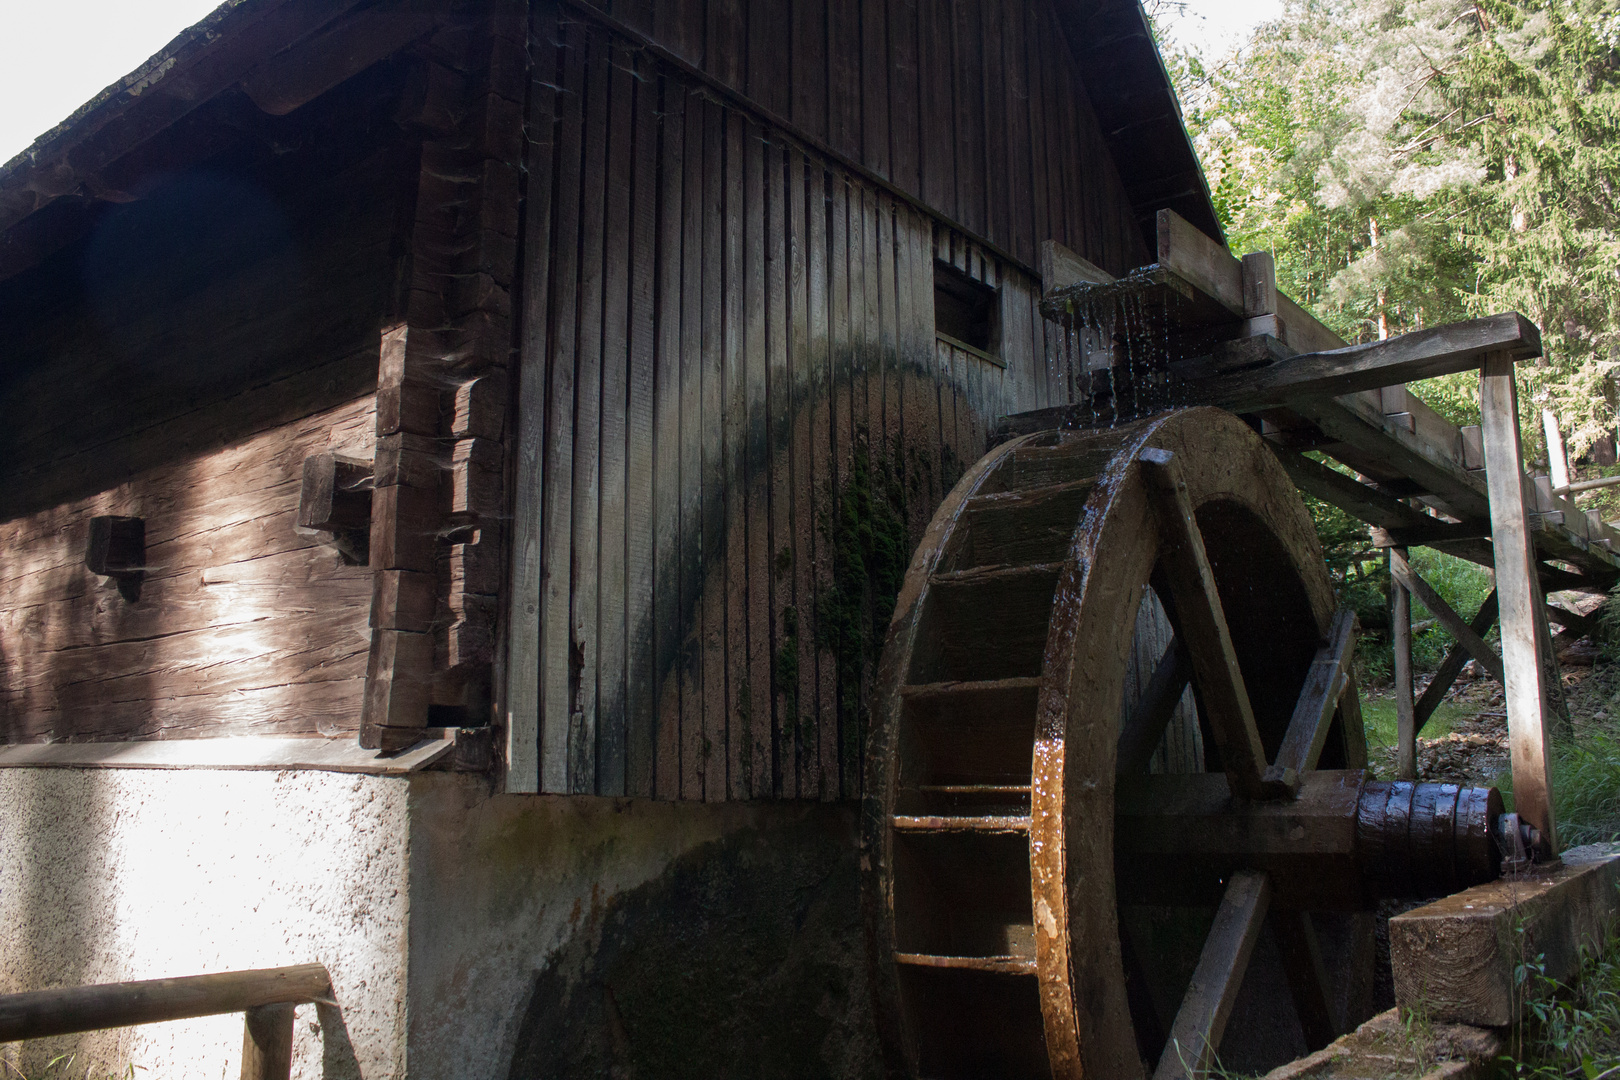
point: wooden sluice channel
(1227, 337)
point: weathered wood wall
(735, 415)
(973, 107)
(177, 363)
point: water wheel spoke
(1325, 684)
(1203, 627)
(1195, 1037)
(1144, 728)
(1307, 976)
(1138, 991)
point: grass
(1378, 715)
(1586, 786)
(68, 1067)
(1572, 1031)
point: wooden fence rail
(265, 995)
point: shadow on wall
(746, 959)
(337, 1051)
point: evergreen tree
(1412, 162)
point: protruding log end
(116, 548)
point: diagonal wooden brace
(1195, 1037)
(1454, 624)
(1325, 684)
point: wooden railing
(266, 996)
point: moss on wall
(745, 959)
(864, 521)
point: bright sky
(1215, 26)
(58, 54)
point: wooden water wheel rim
(1125, 532)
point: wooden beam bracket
(336, 500)
(116, 548)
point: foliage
(1572, 1031)
(1412, 162)
(1585, 784)
(1461, 584)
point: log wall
(736, 419)
(177, 364)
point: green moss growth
(863, 523)
(787, 669)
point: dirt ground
(1474, 751)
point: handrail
(266, 995)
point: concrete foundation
(468, 934)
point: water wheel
(1013, 801)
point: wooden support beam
(267, 1038)
(1454, 624)
(1207, 266)
(1400, 621)
(339, 52)
(1203, 627)
(1456, 656)
(1519, 595)
(1351, 495)
(1060, 267)
(1195, 1037)
(1554, 579)
(1325, 684)
(73, 1009)
(1575, 624)
(1144, 728)
(1259, 284)
(1586, 485)
(1557, 459)
(1422, 354)
(1462, 958)
(1401, 451)
(1304, 332)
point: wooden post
(1400, 620)
(1557, 460)
(267, 1037)
(1519, 597)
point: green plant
(1570, 1031)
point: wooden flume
(1010, 814)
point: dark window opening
(965, 310)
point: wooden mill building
(450, 444)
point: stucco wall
(469, 935)
(115, 874)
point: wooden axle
(1341, 843)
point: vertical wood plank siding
(974, 107)
(737, 365)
